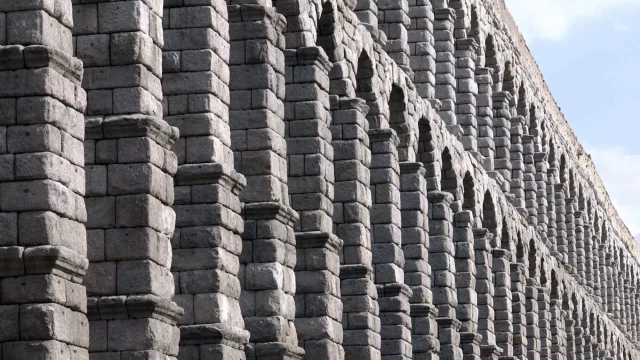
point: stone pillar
(206, 246)
(570, 331)
(533, 319)
(393, 20)
(604, 278)
(43, 246)
(561, 225)
(502, 134)
(571, 236)
(485, 292)
(588, 268)
(417, 270)
(257, 71)
(388, 259)
(578, 338)
(352, 203)
(311, 177)
(530, 185)
(445, 64)
(442, 260)
(467, 309)
(467, 92)
(518, 284)
(484, 104)
(544, 321)
(551, 210)
(503, 300)
(421, 47)
(130, 181)
(541, 181)
(559, 337)
(579, 248)
(595, 267)
(517, 164)
(611, 283)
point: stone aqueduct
(325, 180)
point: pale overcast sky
(589, 52)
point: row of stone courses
(318, 180)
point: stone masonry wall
(297, 179)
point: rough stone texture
(337, 179)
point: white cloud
(552, 19)
(620, 172)
(621, 27)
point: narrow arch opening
(326, 31)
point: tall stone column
(517, 163)
(533, 319)
(394, 21)
(570, 332)
(544, 321)
(518, 292)
(594, 266)
(445, 64)
(604, 278)
(559, 337)
(484, 104)
(257, 84)
(579, 248)
(571, 236)
(541, 180)
(467, 92)
(467, 309)
(130, 181)
(485, 293)
(502, 134)
(208, 239)
(442, 260)
(388, 259)
(551, 210)
(561, 225)
(311, 178)
(588, 267)
(417, 270)
(43, 246)
(529, 184)
(421, 48)
(503, 301)
(578, 335)
(352, 204)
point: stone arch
(508, 79)
(533, 260)
(327, 31)
(489, 218)
(400, 121)
(505, 239)
(366, 84)
(448, 176)
(522, 107)
(562, 175)
(469, 195)
(427, 152)
(544, 280)
(475, 33)
(491, 61)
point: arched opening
(508, 80)
(400, 122)
(563, 169)
(426, 153)
(522, 107)
(448, 176)
(474, 32)
(326, 31)
(533, 263)
(491, 61)
(489, 220)
(505, 239)
(543, 274)
(469, 195)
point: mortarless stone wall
(296, 179)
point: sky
(589, 53)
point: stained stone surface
(296, 179)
